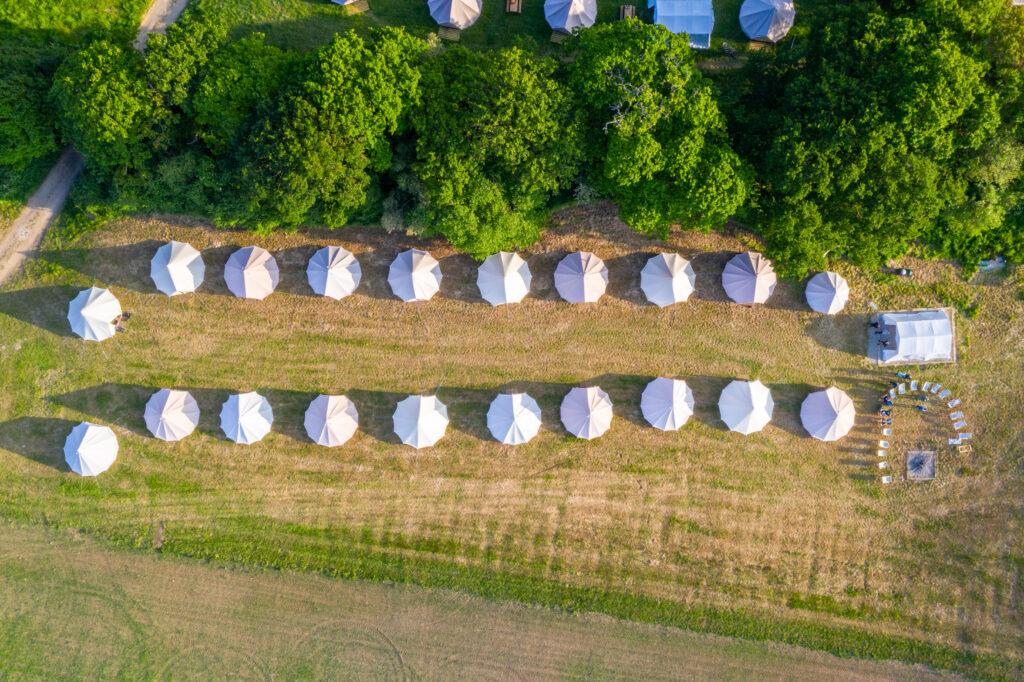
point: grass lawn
(772, 536)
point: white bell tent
(177, 268)
(513, 418)
(503, 278)
(827, 293)
(251, 272)
(667, 278)
(667, 404)
(565, 16)
(331, 420)
(246, 418)
(827, 415)
(171, 415)
(92, 313)
(90, 449)
(746, 406)
(333, 272)
(460, 14)
(749, 278)
(581, 277)
(414, 275)
(420, 420)
(586, 412)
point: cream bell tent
(767, 20)
(90, 449)
(827, 292)
(458, 14)
(245, 418)
(666, 403)
(917, 336)
(251, 272)
(827, 415)
(92, 314)
(748, 278)
(177, 268)
(746, 406)
(420, 420)
(503, 278)
(333, 272)
(586, 412)
(667, 278)
(171, 415)
(581, 277)
(331, 420)
(414, 275)
(513, 418)
(567, 15)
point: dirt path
(28, 229)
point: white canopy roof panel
(827, 415)
(246, 418)
(333, 272)
(581, 277)
(177, 268)
(420, 420)
(513, 418)
(827, 293)
(746, 406)
(503, 278)
(331, 420)
(414, 275)
(918, 336)
(586, 412)
(171, 415)
(696, 18)
(667, 278)
(749, 278)
(90, 449)
(667, 403)
(251, 272)
(92, 314)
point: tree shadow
(43, 307)
(125, 266)
(40, 439)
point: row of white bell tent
(503, 278)
(420, 421)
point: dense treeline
(887, 126)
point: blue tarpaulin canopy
(696, 18)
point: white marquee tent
(331, 420)
(767, 20)
(513, 418)
(667, 278)
(246, 418)
(586, 412)
(503, 278)
(90, 449)
(251, 272)
(420, 420)
(458, 14)
(749, 278)
(414, 275)
(567, 15)
(177, 268)
(696, 18)
(171, 415)
(333, 272)
(746, 406)
(92, 314)
(581, 277)
(827, 292)
(827, 415)
(666, 403)
(917, 336)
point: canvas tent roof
(246, 418)
(333, 272)
(420, 420)
(177, 268)
(746, 406)
(827, 415)
(749, 278)
(696, 18)
(567, 15)
(586, 412)
(918, 336)
(90, 449)
(513, 418)
(251, 272)
(171, 415)
(92, 313)
(414, 275)
(581, 277)
(667, 278)
(331, 420)
(458, 14)
(666, 403)
(503, 278)
(767, 20)
(827, 292)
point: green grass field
(770, 537)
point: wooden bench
(449, 33)
(513, 6)
(627, 12)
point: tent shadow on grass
(292, 264)
(40, 439)
(845, 333)
(624, 277)
(43, 307)
(124, 266)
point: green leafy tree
(496, 137)
(313, 157)
(656, 141)
(104, 106)
(27, 129)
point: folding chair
(883, 465)
(886, 480)
(936, 388)
(892, 392)
(959, 425)
(966, 436)
(927, 385)
(913, 385)
(954, 441)
(953, 403)
(883, 453)
(956, 415)
(884, 444)
(886, 432)
(901, 389)
(945, 394)
(965, 449)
